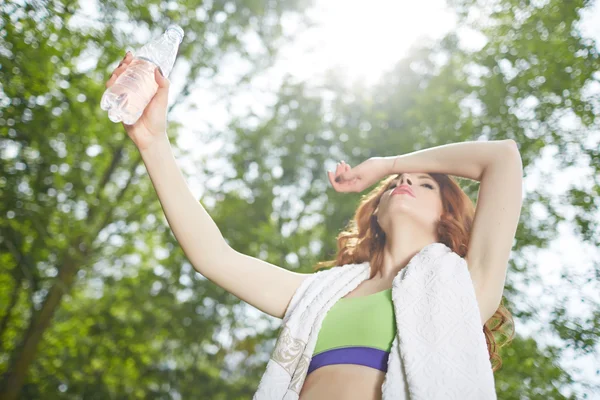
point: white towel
(439, 351)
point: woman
(403, 215)
(415, 209)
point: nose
(405, 179)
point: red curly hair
(363, 240)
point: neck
(403, 242)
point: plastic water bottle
(127, 98)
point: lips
(403, 189)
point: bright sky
(362, 39)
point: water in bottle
(127, 98)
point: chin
(402, 206)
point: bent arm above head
(494, 228)
(498, 167)
(465, 159)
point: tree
(80, 217)
(534, 68)
(136, 320)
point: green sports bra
(357, 330)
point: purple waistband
(367, 356)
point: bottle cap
(175, 30)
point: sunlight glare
(364, 38)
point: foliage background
(98, 301)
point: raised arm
(265, 286)
(498, 167)
(261, 284)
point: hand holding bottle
(137, 91)
(152, 124)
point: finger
(346, 186)
(111, 80)
(340, 171)
(127, 59)
(162, 93)
(160, 79)
(331, 176)
(332, 180)
(346, 177)
(346, 174)
(124, 63)
(120, 69)
(116, 73)
(344, 167)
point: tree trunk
(15, 376)
(9, 311)
(23, 355)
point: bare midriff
(343, 381)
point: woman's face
(413, 195)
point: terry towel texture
(439, 351)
